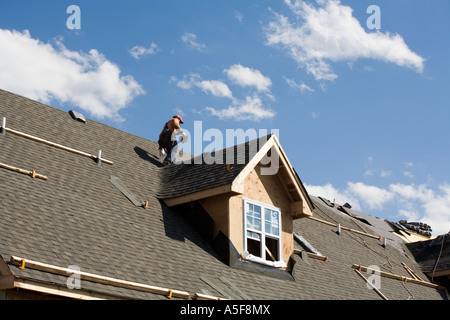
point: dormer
(246, 210)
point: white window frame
(262, 232)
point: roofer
(168, 143)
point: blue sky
(362, 113)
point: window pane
(271, 223)
(254, 235)
(253, 223)
(267, 215)
(262, 223)
(254, 247)
(275, 230)
(257, 210)
(268, 227)
(272, 247)
(257, 224)
(249, 221)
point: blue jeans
(172, 152)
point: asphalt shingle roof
(207, 170)
(78, 217)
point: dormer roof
(197, 180)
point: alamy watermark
(73, 22)
(374, 278)
(235, 147)
(374, 21)
(74, 280)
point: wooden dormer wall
(227, 212)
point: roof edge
(274, 142)
(203, 194)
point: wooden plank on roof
(45, 288)
(97, 278)
(200, 296)
(398, 277)
(56, 145)
(411, 272)
(32, 173)
(345, 228)
(311, 255)
(371, 285)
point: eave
(203, 194)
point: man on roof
(167, 141)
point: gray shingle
(78, 217)
(207, 170)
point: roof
(225, 170)
(79, 217)
(351, 248)
(197, 175)
(380, 227)
(432, 255)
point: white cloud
(437, 210)
(333, 194)
(368, 173)
(431, 206)
(385, 173)
(42, 71)
(215, 87)
(187, 82)
(409, 164)
(239, 16)
(410, 215)
(302, 86)
(328, 191)
(138, 51)
(411, 192)
(329, 33)
(415, 203)
(249, 109)
(247, 77)
(372, 196)
(408, 174)
(178, 111)
(191, 40)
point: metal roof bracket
(99, 158)
(339, 230)
(3, 127)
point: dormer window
(262, 230)
(246, 213)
